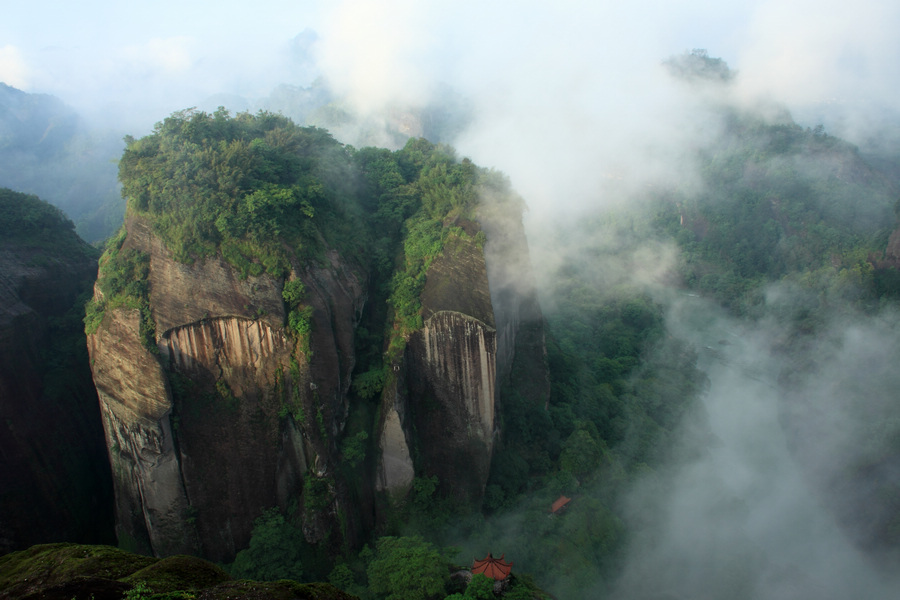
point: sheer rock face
(452, 363)
(521, 346)
(482, 324)
(395, 472)
(235, 454)
(54, 484)
(227, 415)
(207, 288)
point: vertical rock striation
(452, 372)
(225, 415)
(522, 355)
(483, 330)
(225, 393)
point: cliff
(234, 331)
(56, 483)
(451, 368)
(481, 319)
(224, 415)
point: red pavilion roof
(495, 568)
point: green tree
(274, 551)
(294, 292)
(581, 453)
(251, 186)
(481, 587)
(407, 568)
(354, 448)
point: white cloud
(170, 56)
(13, 70)
(577, 75)
(373, 52)
(822, 50)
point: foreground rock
(67, 571)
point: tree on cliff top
(698, 65)
(248, 186)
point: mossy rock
(179, 573)
(75, 571)
(80, 588)
(274, 590)
(45, 567)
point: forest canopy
(26, 218)
(241, 185)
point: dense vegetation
(29, 222)
(247, 186)
(777, 202)
(781, 202)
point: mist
(565, 99)
(781, 479)
(746, 506)
(584, 74)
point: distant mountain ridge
(40, 123)
(46, 149)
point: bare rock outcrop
(229, 413)
(482, 324)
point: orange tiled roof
(495, 568)
(560, 502)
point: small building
(495, 568)
(559, 505)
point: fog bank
(746, 507)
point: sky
(167, 55)
(569, 91)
